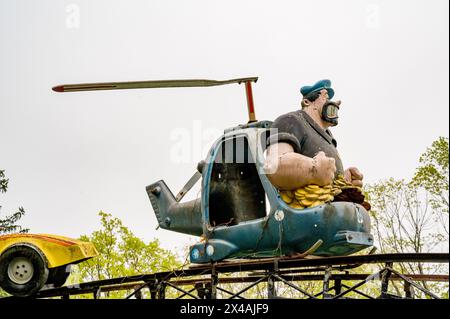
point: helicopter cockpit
(236, 192)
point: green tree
(412, 216)
(121, 254)
(433, 175)
(8, 224)
(401, 217)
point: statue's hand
(324, 169)
(354, 176)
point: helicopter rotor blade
(147, 84)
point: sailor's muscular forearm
(289, 170)
(292, 171)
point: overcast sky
(70, 155)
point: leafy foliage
(412, 216)
(402, 218)
(8, 223)
(433, 171)
(433, 175)
(121, 254)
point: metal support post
(326, 284)
(162, 290)
(385, 281)
(214, 281)
(271, 284)
(408, 289)
(337, 286)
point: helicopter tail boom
(172, 215)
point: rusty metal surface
(286, 269)
(284, 263)
(232, 280)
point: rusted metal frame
(408, 289)
(96, 293)
(283, 263)
(321, 292)
(341, 268)
(345, 261)
(68, 290)
(248, 287)
(250, 104)
(358, 292)
(337, 286)
(309, 277)
(214, 283)
(326, 283)
(385, 280)
(335, 277)
(294, 286)
(161, 290)
(228, 292)
(203, 289)
(353, 288)
(351, 261)
(422, 277)
(425, 291)
(265, 264)
(318, 294)
(347, 267)
(290, 271)
(91, 287)
(153, 287)
(127, 286)
(163, 279)
(271, 288)
(185, 293)
(136, 291)
(271, 285)
(168, 283)
(208, 280)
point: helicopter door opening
(236, 192)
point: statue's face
(320, 101)
(325, 109)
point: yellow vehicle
(30, 261)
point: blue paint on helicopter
(260, 223)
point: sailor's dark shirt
(305, 135)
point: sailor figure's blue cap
(322, 84)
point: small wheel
(23, 271)
(57, 276)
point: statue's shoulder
(293, 122)
(291, 116)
